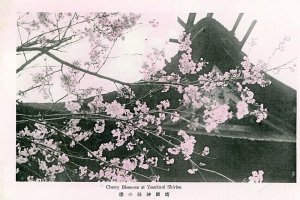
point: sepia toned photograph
(153, 97)
(127, 99)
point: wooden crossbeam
(181, 22)
(209, 15)
(248, 33)
(239, 132)
(190, 21)
(173, 40)
(237, 22)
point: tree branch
(83, 70)
(29, 61)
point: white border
(10, 189)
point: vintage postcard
(132, 100)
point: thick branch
(29, 61)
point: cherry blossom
(192, 171)
(174, 150)
(115, 109)
(205, 151)
(154, 63)
(215, 115)
(253, 74)
(242, 109)
(83, 171)
(192, 96)
(72, 106)
(187, 146)
(170, 161)
(260, 114)
(129, 164)
(257, 177)
(97, 104)
(175, 117)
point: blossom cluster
(153, 64)
(242, 109)
(260, 113)
(126, 92)
(73, 130)
(254, 74)
(186, 146)
(73, 107)
(115, 109)
(105, 174)
(53, 161)
(24, 153)
(51, 170)
(192, 96)
(247, 97)
(186, 63)
(96, 105)
(216, 114)
(257, 177)
(215, 79)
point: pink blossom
(97, 104)
(21, 159)
(215, 115)
(63, 158)
(129, 164)
(72, 106)
(242, 109)
(205, 151)
(141, 107)
(174, 150)
(192, 171)
(82, 136)
(192, 96)
(187, 146)
(130, 146)
(115, 109)
(141, 159)
(247, 95)
(260, 113)
(175, 117)
(126, 92)
(253, 74)
(163, 105)
(42, 165)
(153, 64)
(187, 65)
(83, 171)
(257, 177)
(185, 42)
(152, 161)
(170, 161)
(213, 80)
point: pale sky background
(268, 32)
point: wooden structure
(213, 42)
